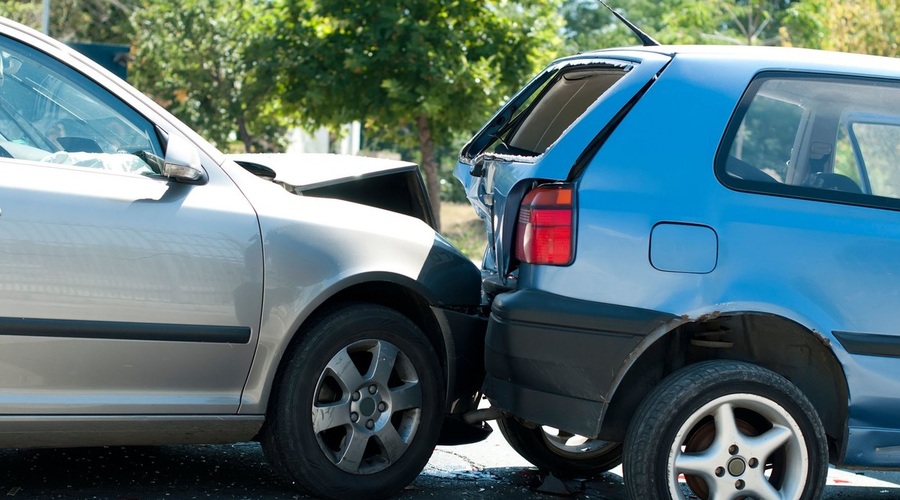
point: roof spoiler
(646, 39)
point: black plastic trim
(555, 311)
(870, 344)
(553, 360)
(119, 330)
(449, 276)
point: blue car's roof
(765, 58)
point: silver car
(153, 291)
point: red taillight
(545, 232)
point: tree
(99, 21)
(732, 22)
(740, 22)
(193, 56)
(591, 26)
(413, 72)
(864, 26)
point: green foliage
(747, 22)
(413, 72)
(591, 26)
(864, 26)
(98, 21)
(730, 22)
(389, 63)
(195, 58)
(27, 13)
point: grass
(464, 229)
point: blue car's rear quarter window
(818, 137)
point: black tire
(699, 422)
(357, 408)
(563, 454)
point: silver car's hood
(308, 170)
(382, 183)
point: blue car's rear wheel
(731, 430)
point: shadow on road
(137, 473)
(241, 472)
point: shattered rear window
(539, 115)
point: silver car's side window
(49, 113)
(818, 137)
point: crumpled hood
(308, 170)
(313, 243)
(391, 185)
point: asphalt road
(488, 470)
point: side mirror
(182, 162)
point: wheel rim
(573, 446)
(739, 445)
(367, 406)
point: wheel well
(384, 293)
(802, 356)
(399, 298)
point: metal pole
(45, 19)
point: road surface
(488, 470)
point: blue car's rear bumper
(552, 359)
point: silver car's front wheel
(730, 430)
(357, 405)
(367, 406)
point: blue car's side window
(869, 153)
(52, 114)
(818, 137)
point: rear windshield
(543, 110)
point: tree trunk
(244, 134)
(430, 167)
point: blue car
(694, 265)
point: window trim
(789, 190)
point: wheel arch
(797, 353)
(400, 298)
(387, 291)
